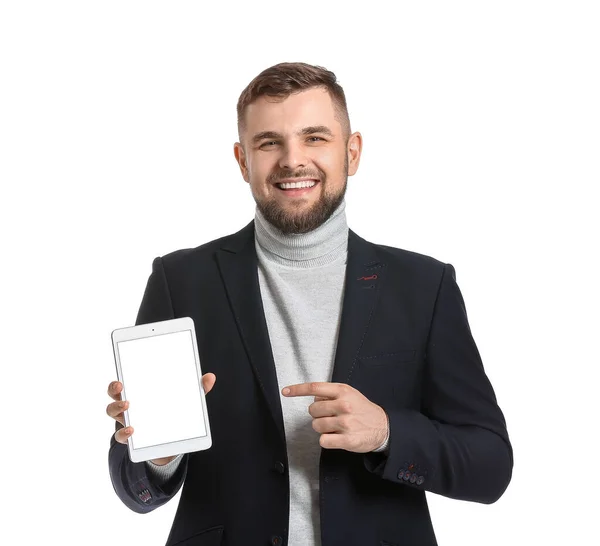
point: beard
(302, 221)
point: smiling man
(349, 383)
(297, 173)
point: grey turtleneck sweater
(301, 278)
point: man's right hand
(115, 410)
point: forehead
(307, 108)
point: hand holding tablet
(116, 411)
(162, 389)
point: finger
(122, 434)
(316, 388)
(326, 425)
(328, 408)
(334, 441)
(114, 390)
(116, 409)
(208, 382)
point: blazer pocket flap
(207, 537)
(380, 359)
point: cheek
(258, 171)
(332, 163)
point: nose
(292, 157)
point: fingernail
(286, 391)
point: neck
(320, 246)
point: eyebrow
(323, 129)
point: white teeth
(293, 185)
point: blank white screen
(162, 385)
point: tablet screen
(162, 385)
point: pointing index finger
(315, 388)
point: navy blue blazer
(404, 342)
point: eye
(268, 143)
(318, 138)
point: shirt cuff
(162, 473)
(384, 446)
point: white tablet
(159, 367)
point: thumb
(208, 382)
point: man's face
(298, 139)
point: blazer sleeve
(133, 483)
(458, 444)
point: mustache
(282, 175)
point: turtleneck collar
(318, 247)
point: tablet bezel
(152, 329)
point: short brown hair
(283, 79)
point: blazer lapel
(238, 265)
(364, 277)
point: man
(387, 396)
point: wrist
(163, 461)
(385, 443)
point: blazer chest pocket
(389, 379)
(388, 359)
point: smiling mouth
(297, 186)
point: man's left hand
(345, 418)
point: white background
(481, 137)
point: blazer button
(280, 467)
(276, 540)
(420, 480)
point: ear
(240, 157)
(354, 151)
